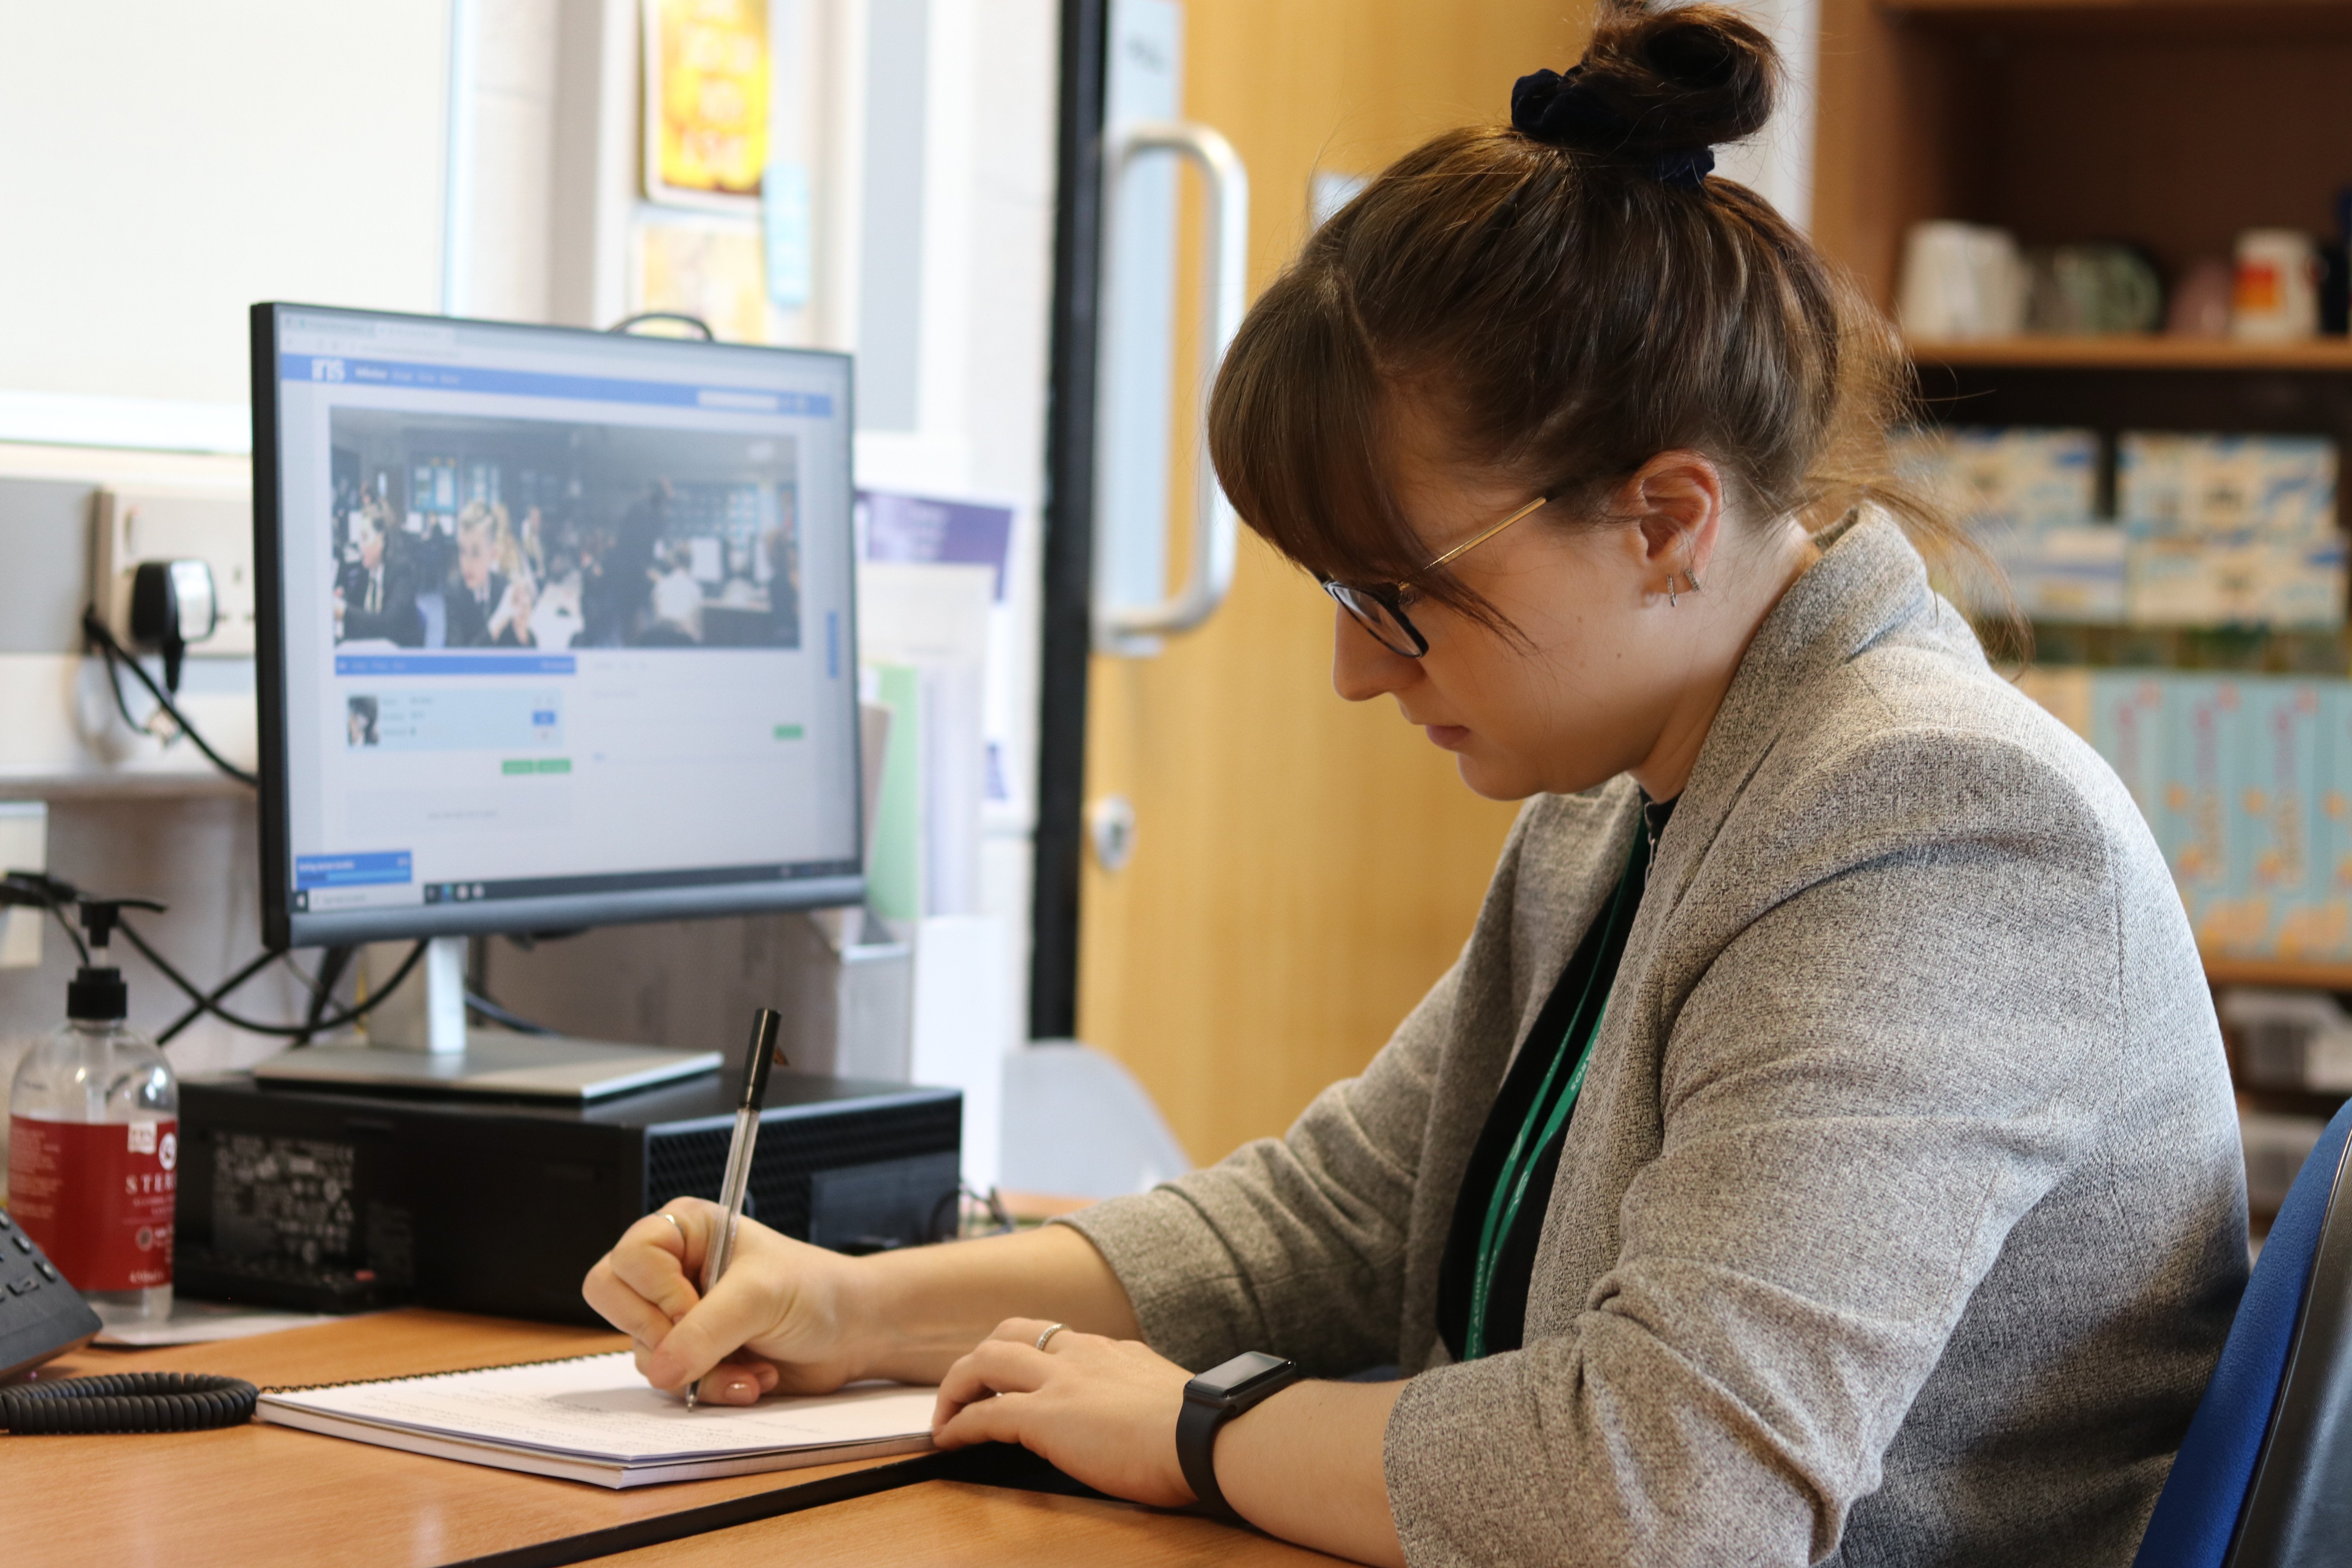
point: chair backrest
(2263, 1478)
(1078, 1124)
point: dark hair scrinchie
(1569, 296)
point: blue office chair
(2263, 1478)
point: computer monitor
(556, 628)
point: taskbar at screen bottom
(613, 882)
(631, 881)
(551, 903)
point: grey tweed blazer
(1902, 1215)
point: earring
(1693, 578)
(1671, 603)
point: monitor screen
(555, 627)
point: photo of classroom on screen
(456, 531)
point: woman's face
(473, 557)
(1609, 674)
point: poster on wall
(711, 270)
(706, 102)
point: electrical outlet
(157, 525)
(23, 847)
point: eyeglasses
(1380, 610)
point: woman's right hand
(778, 1320)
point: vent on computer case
(902, 1193)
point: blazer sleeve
(1293, 1244)
(1296, 1246)
(1884, 1065)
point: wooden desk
(259, 1493)
(947, 1524)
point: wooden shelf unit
(2151, 352)
(2170, 123)
(2240, 19)
(2175, 125)
(2289, 973)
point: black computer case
(496, 1207)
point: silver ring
(674, 1226)
(1051, 1329)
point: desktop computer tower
(332, 1200)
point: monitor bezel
(282, 925)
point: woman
(1823, 1150)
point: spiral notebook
(593, 1418)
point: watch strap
(1211, 1400)
(1196, 1452)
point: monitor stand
(430, 1049)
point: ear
(1678, 500)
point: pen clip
(767, 1024)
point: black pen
(766, 1027)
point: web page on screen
(561, 616)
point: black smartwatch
(1211, 1400)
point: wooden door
(1304, 868)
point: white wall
(980, 431)
(508, 260)
(549, 189)
(981, 291)
(1778, 164)
(170, 162)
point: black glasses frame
(1390, 601)
(1388, 598)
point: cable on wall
(208, 1002)
(116, 657)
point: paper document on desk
(208, 1322)
(593, 1418)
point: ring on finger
(674, 1226)
(1051, 1329)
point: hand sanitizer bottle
(94, 1143)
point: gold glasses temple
(1534, 505)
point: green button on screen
(555, 765)
(789, 732)
(517, 765)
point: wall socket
(153, 523)
(23, 847)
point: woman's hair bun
(1661, 80)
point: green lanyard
(1526, 1149)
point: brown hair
(1571, 312)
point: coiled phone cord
(129, 1402)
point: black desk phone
(40, 1315)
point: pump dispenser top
(97, 992)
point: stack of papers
(593, 1418)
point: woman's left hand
(1101, 1410)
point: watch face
(1237, 1378)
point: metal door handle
(1225, 295)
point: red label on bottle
(97, 1196)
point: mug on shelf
(2093, 291)
(1960, 281)
(2201, 300)
(2276, 296)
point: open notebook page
(594, 1419)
